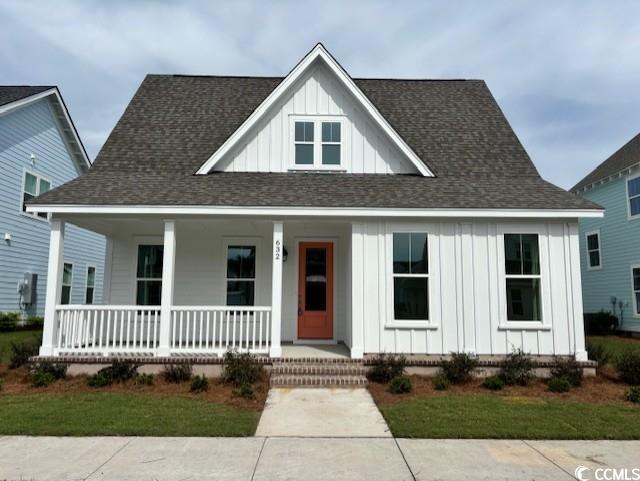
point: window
(67, 281)
(304, 143)
(633, 192)
(90, 286)
(593, 250)
(331, 143)
(410, 276)
(34, 186)
(635, 284)
(522, 272)
(149, 275)
(241, 275)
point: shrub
(21, 351)
(245, 391)
(597, 352)
(385, 367)
(559, 384)
(400, 384)
(567, 368)
(177, 373)
(516, 368)
(100, 379)
(122, 370)
(199, 383)
(56, 370)
(600, 323)
(633, 394)
(41, 378)
(628, 367)
(144, 379)
(240, 368)
(459, 368)
(494, 383)
(8, 321)
(440, 382)
(34, 322)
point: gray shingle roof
(175, 123)
(11, 93)
(623, 158)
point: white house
(251, 212)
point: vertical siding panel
(482, 311)
(467, 293)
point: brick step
(318, 369)
(318, 380)
(316, 360)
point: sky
(566, 73)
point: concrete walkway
(253, 459)
(319, 412)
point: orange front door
(315, 291)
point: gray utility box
(28, 288)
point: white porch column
(168, 270)
(54, 286)
(108, 270)
(276, 291)
(357, 290)
(576, 286)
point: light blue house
(610, 246)
(40, 149)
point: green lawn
(615, 345)
(7, 337)
(111, 414)
(490, 416)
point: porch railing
(94, 329)
(220, 328)
(103, 330)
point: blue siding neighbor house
(39, 150)
(610, 246)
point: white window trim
(317, 142)
(86, 283)
(28, 213)
(70, 285)
(627, 199)
(633, 292)
(244, 242)
(599, 249)
(138, 241)
(545, 303)
(433, 285)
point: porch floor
(334, 351)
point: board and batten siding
(33, 131)
(619, 250)
(268, 146)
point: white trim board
(317, 53)
(314, 211)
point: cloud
(566, 75)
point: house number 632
(277, 250)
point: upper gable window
(34, 185)
(633, 193)
(317, 143)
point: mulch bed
(601, 389)
(16, 381)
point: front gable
(316, 92)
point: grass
(7, 337)
(615, 345)
(502, 417)
(117, 414)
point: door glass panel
(316, 279)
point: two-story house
(264, 212)
(610, 246)
(40, 150)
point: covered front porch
(203, 285)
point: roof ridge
(271, 77)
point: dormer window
(317, 143)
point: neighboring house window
(34, 185)
(67, 281)
(331, 143)
(149, 275)
(90, 286)
(241, 275)
(635, 280)
(410, 276)
(522, 272)
(633, 192)
(593, 250)
(304, 145)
